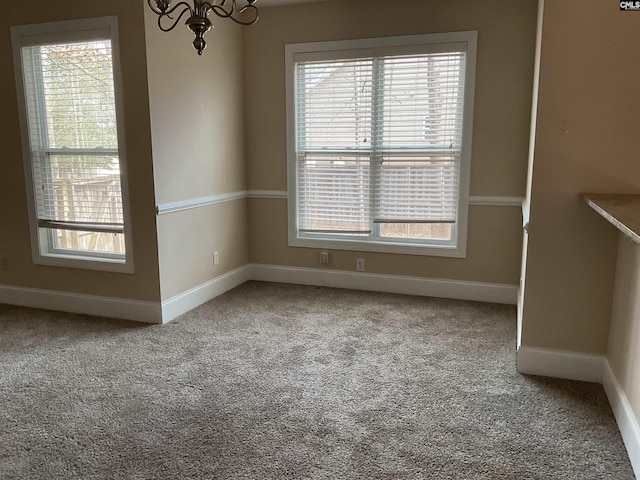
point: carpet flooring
(274, 381)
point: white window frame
(336, 50)
(43, 250)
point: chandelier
(198, 22)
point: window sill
(84, 263)
(450, 251)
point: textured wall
(586, 141)
(500, 135)
(14, 230)
(197, 122)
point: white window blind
(69, 94)
(378, 140)
(334, 132)
(417, 155)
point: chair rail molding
(199, 202)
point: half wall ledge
(622, 211)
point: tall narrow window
(379, 140)
(72, 142)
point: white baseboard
(545, 362)
(430, 287)
(141, 311)
(156, 312)
(202, 293)
(627, 421)
(137, 310)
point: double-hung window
(68, 84)
(379, 140)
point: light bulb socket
(163, 5)
(198, 24)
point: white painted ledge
(181, 205)
(199, 202)
(163, 312)
(268, 194)
(546, 362)
(202, 293)
(588, 368)
(430, 287)
(626, 419)
(140, 311)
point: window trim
(342, 49)
(42, 250)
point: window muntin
(378, 147)
(72, 133)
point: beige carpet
(288, 382)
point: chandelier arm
(211, 5)
(175, 7)
(244, 9)
(219, 10)
(154, 9)
(169, 11)
(205, 7)
(198, 22)
(187, 8)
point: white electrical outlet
(324, 258)
(216, 258)
(360, 264)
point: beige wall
(623, 350)
(268, 220)
(197, 122)
(500, 137)
(586, 140)
(14, 234)
(188, 239)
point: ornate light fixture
(198, 22)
